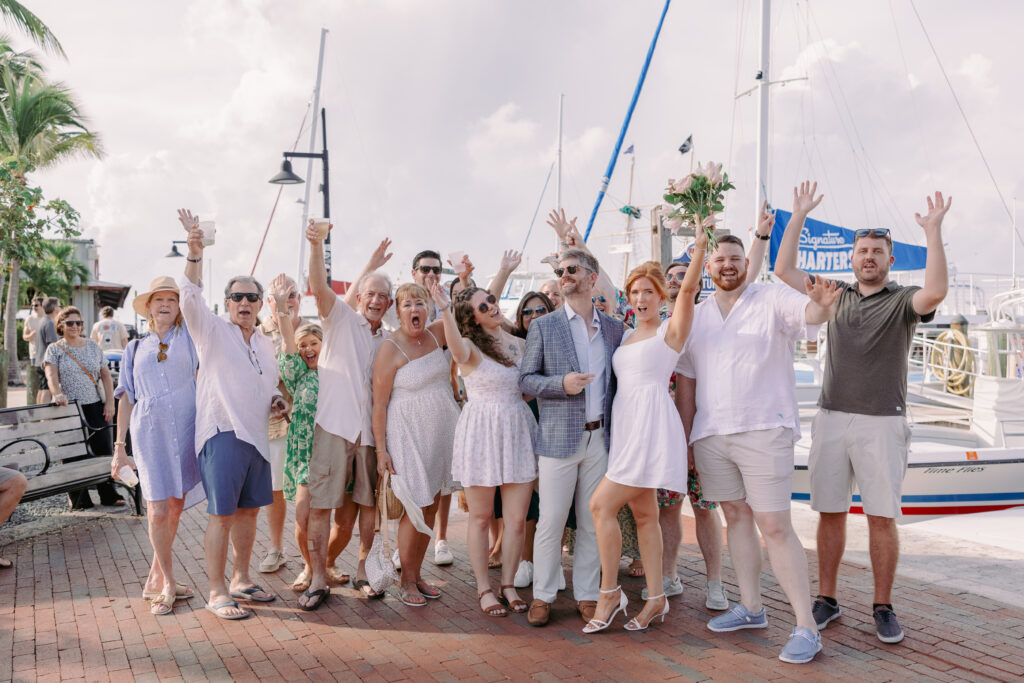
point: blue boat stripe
(942, 498)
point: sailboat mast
(300, 280)
(761, 184)
(558, 178)
(629, 218)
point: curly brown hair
(63, 315)
(465, 317)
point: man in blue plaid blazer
(568, 367)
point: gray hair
(245, 279)
(585, 259)
(378, 274)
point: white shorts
(870, 450)
(278, 453)
(754, 466)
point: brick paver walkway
(70, 609)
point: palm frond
(17, 14)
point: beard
(880, 273)
(730, 283)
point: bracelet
(193, 260)
(120, 443)
(762, 237)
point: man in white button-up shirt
(236, 393)
(740, 414)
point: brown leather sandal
(517, 606)
(494, 610)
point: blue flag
(629, 150)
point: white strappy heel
(595, 625)
(634, 625)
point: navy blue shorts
(234, 475)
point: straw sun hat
(164, 283)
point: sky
(442, 121)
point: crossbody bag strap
(69, 355)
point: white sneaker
(669, 587)
(524, 574)
(716, 597)
(561, 578)
(442, 555)
(396, 560)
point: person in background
(46, 335)
(35, 359)
(551, 291)
(156, 395)
(75, 367)
(110, 334)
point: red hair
(653, 272)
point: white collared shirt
(589, 343)
(344, 406)
(743, 363)
(237, 379)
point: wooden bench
(49, 445)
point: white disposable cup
(209, 229)
(323, 226)
(127, 476)
(455, 258)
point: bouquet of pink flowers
(696, 200)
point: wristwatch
(762, 237)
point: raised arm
(759, 246)
(278, 304)
(194, 260)
(936, 278)
(682, 314)
(378, 258)
(570, 238)
(786, 260)
(510, 260)
(321, 291)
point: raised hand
(188, 221)
(575, 382)
(551, 259)
(439, 296)
(803, 197)
(766, 220)
(700, 239)
(821, 291)
(380, 255)
(558, 221)
(277, 293)
(510, 260)
(313, 235)
(936, 212)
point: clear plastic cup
(209, 229)
(455, 258)
(323, 226)
(127, 476)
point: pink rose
(682, 185)
(674, 223)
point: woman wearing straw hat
(157, 397)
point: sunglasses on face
(601, 298)
(871, 232)
(436, 270)
(678, 275)
(540, 310)
(487, 303)
(559, 272)
(251, 297)
(73, 323)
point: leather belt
(596, 424)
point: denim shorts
(234, 475)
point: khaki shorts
(869, 450)
(278, 453)
(333, 464)
(754, 466)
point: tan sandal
(301, 582)
(495, 610)
(517, 606)
(161, 605)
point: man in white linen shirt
(343, 448)
(740, 413)
(236, 393)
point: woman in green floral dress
(297, 364)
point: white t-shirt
(344, 404)
(33, 322)
(744, 364)
(111, 334)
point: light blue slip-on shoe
(738, 618)
(801, 647)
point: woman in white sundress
(414, 416)
(494, 439)
(648, 443)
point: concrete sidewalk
(71, 609)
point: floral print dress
(304, 386)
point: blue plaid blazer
(550, 355)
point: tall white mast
(558, 177)
(315, 116)
(763, 81)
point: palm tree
(41, 124)
(19, 15)
(56, 273)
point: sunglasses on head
(600, 298)
(487, 303)
(436, 270)
(539, 310)
(73, 323)
(871, 232)
(251, 297)
(559, 272)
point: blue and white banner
(826, 248)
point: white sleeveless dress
(648, 443)
(421, 429)
(496, 433)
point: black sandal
(321, 596)
(364, 586)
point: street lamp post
(288, 177)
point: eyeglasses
(871, 232)
(255, 360)
(487, 303)
(162, 355)
(601, 298)
(251, 297)
(436, 270)
(678, 275)
(540, 310)
(73, 323)
(559, 272)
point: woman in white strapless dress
(414, 416)
(494, 439)
(648, 444)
